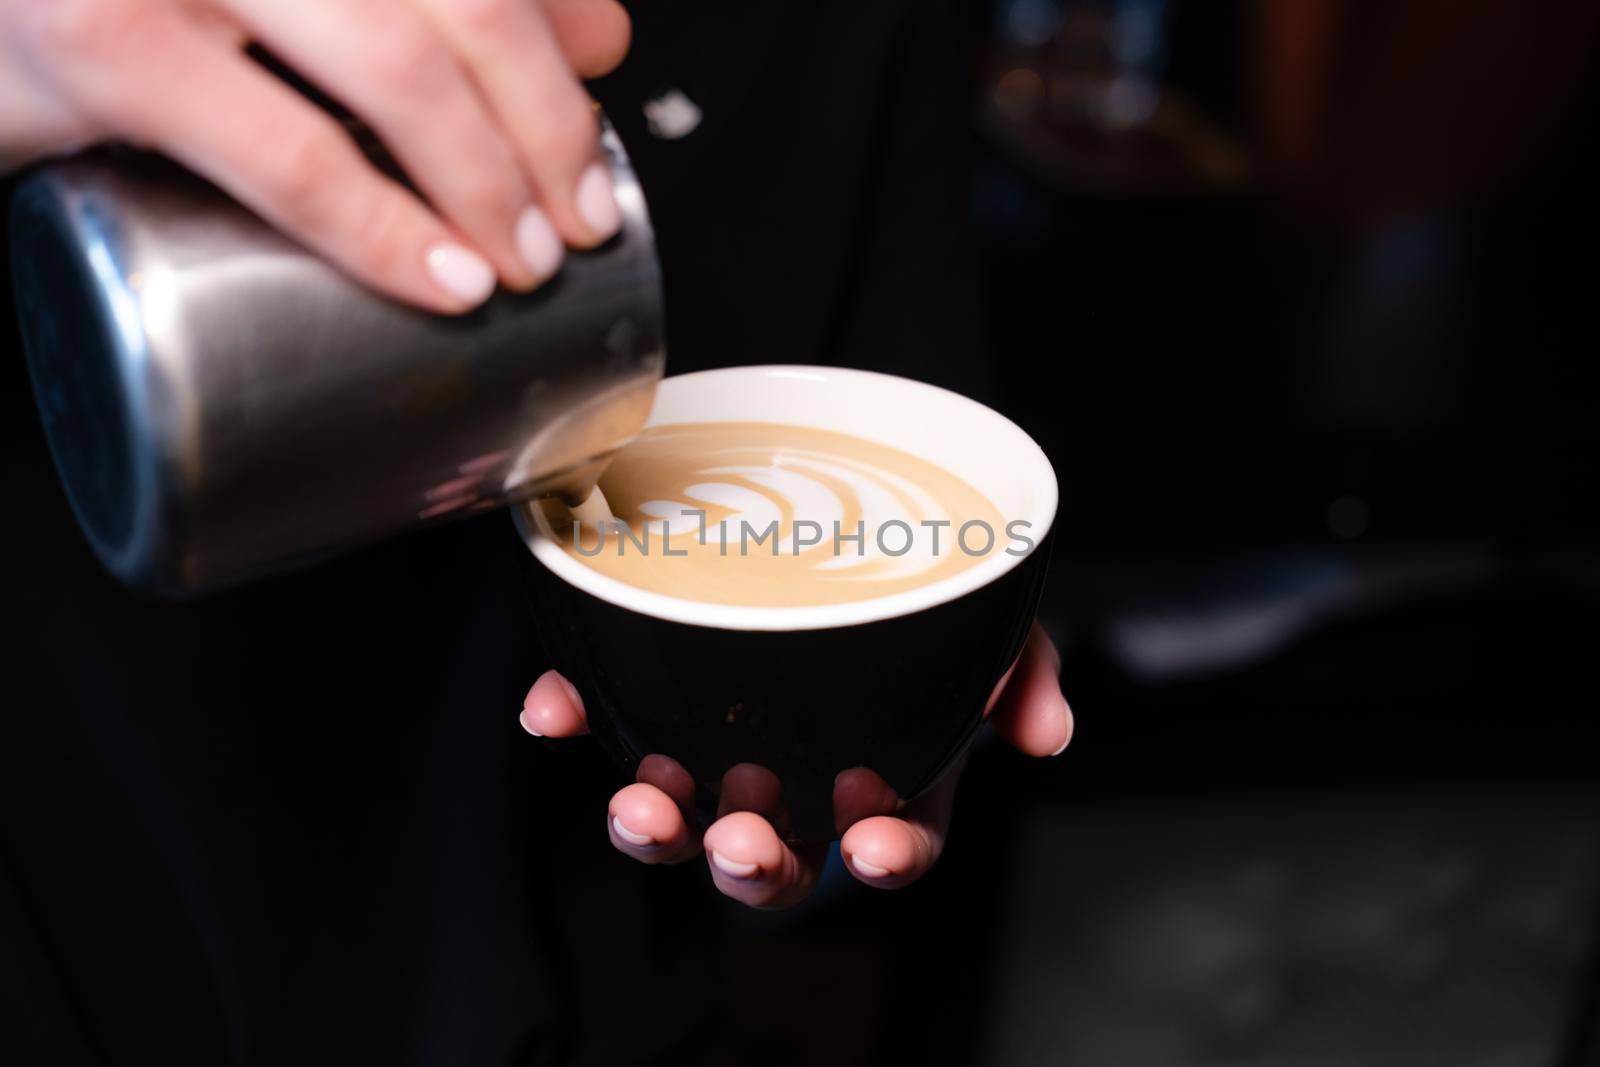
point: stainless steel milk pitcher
(221, 403)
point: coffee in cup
(782, 668)
(752, 513)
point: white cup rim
(1021, 450)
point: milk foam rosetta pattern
(762, 513)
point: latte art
(770, 514)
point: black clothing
(297, 823)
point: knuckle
(87, 28)
(491, 187)
(490, 198)
(407, 55)
(89, 48)
(484, 16)
(296, 177)
(570, 134)
(377, 236)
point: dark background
(1299, 298)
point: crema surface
(766, 514)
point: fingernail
(1066, 728)
(538, 244)
(526, 719)
(733, 868)
(871, 870)
(597, 202)
(461, 272)
(628, 835)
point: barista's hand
(749, 861)
(478, 100)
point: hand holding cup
(776, 721)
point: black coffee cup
(775, 709)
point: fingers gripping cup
(735, 632)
